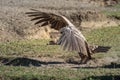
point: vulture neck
(68, 22)
(74, 28)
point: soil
(107, 62)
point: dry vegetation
(14, 24)
(24, 54)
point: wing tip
(102, 49)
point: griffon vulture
(71, 38)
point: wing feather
(43, 20)
(72, 40)
(37, 18)
(57, 22)
(44, 24)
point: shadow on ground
(109, 65)
(112, 65)
(111, 77)
(21, 61)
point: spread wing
(57, 22)
(71, 38)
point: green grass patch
(109, 36)
(32, 48)
(31, 73)
(117, 6)
(111, 13)
(104, 36)
(25, 46)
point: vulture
(71, 39)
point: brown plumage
(56, 21)
(71, 38)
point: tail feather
(97, 49)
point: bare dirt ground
(14, 24)
(73, 63)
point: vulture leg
(84, 58)
(85, 54)
(89, 52)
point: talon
(84, 59)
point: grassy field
(109, 36)
(34, 60)
(113, 11)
